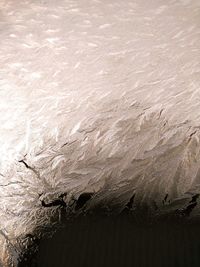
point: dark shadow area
(118, 241)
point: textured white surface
(97, 96)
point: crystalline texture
(99, 101)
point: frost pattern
(98, 98)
